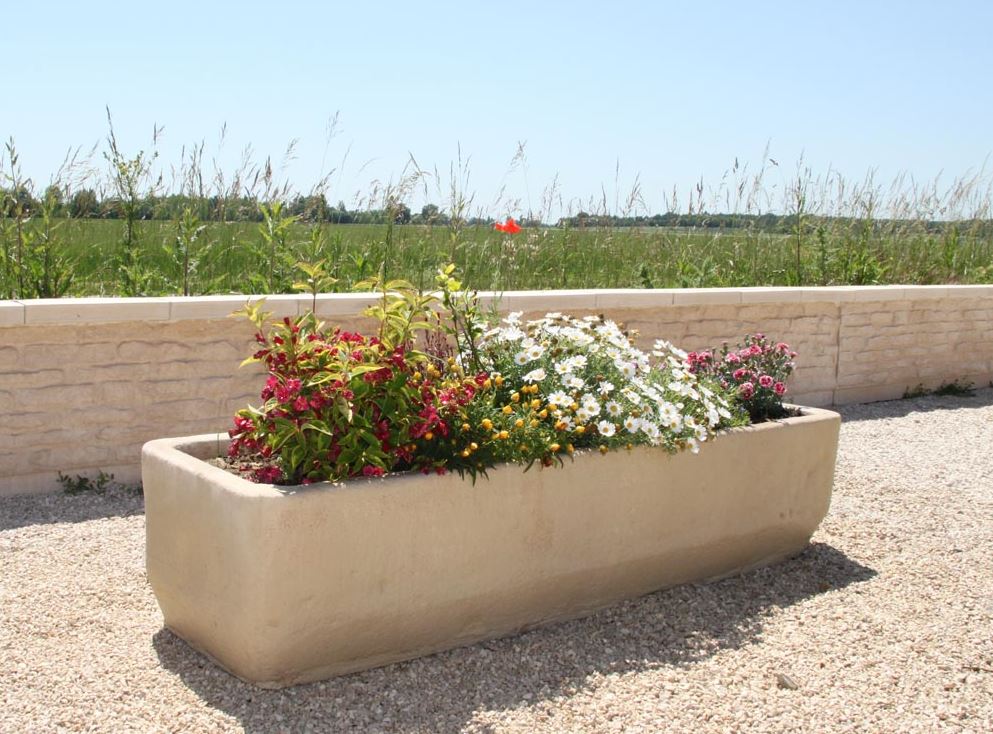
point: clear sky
(600, 92)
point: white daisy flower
(632, 424)
(606, 388)
(613, 409)
(627, 369)
(576, 383)
(631, 395)
(591, 406)
(562, 367)
(606, 428)
(535, 375)
(535, 351)
(559, 398)
(521, 358)
(511, 335)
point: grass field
(235, 257)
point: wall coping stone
(100, 310)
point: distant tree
(429, 213)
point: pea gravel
(885, 623)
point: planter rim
(174, 451)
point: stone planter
(282, 585)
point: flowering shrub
(338, 404)
(755, 371)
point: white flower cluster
(591, 375)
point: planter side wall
(287, 587)
(85, 382)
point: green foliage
(956, 388)
(184, 252)
(100, 484)
(276, 258)
(129, 177)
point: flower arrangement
(476, 394)
(756, 371)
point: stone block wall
(85, 382)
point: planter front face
(285, 585)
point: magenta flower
(766, 381)
(746, 390)
(779, 388)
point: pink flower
(740, 373)
(301, 403)
(288, 391)
(783, 347)
(766, 381)
(732, 358)
(779, 388)
(746, 390)
(372, 471)
(268, 474)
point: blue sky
(600, 93)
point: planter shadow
(674, 627)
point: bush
(755, 372)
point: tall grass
(192, 228)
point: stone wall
(85, 382)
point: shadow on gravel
(675, 627)
(48, 509)
(900, 408)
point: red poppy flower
(510, 226)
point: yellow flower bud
(580, 430)
(570, 448)
(487, 383)
(487, 424)
(516, 397)
(498, 380)
(473, 446)
(554, 448)
(507, 410)
(603, 449)
(519, 423)
(466, 427)
(503, 435)
(535, 404)
(428, 436)
(464, 454)
(533, 423)
(543, 414)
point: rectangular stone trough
(282, 585)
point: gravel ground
(885, 623)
